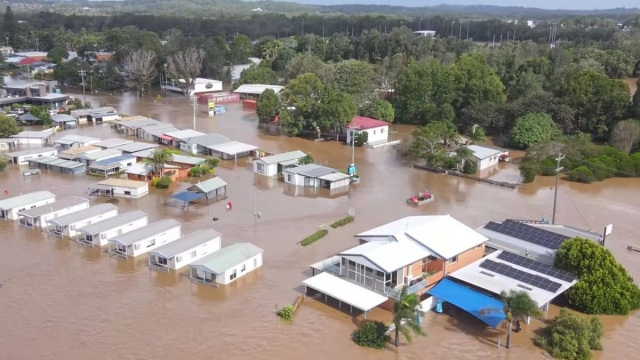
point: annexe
(185, 250)
(67, 225)
(120, 188)
(145, 239)
(227, 264)
(38, 217)
(98, 234)
(232, 150)
(9, 208)
(214, 188)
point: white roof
(337, 176)
(481, 152)
(135, 147)
(441, 235)
(387, 255)
(233, 147)
(112, 142)
(102, 154)
(34, 134)
(257, 89)
(25, 199)
(349, 293)
(71, 139)
(475, 275)
(32, 152)
(184, 134)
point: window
(72, 227)
(233, 275)
(178, 259)
(244, 267)
(136, 247)
(374, 132)
(103, 236)
(289, 178)
(382, 131)
(151, 243)
(162, 261)
(453, 259)
(127, 192)
(193, 254)
(260, 168)
(255, 263)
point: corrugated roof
(233, 147)
(114, 160)
(189, 160)
(62, 118)
(32, 151)
(25, 199)
(278, 158)
(89, 213)
(100, 154)
(75, 138)
(311, 170)
(257, 89)
(337, 176)
(112, 142)
(138, 123)
(364, 123)
(112, 223)
(146, 232)
(186, 243)
(482, 152)
(209, 185)
(81, 150)
(34, 134)
(49, 208)
(206, 140)
(61, 163)
(228, 257)
(185, 134)
(135, 147)
(120, 183)
(160, 129)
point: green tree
(303, 94)
(307, 159)
(355, 78)
(159, 159)
(581, 174)
(10, 26)
(487, 115)
(240, 49)
(361, 139)
(8, 126)
(213, 161)
(427, 143)
(43, 114)
(604, 286)
(378, 109)
(476, 133)
(616, 63)
(57, 54)
(303, 64)
(268, 106)
(406, 310)
(373, 335)
(570, 336)
(335, 110)
(463, 154)
(475, 82)
(285, 56)
(257, 75)
(518, 306)
(3, 164)
(547, 103)
(533, 129)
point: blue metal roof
(187, 196)
(114, 160)
(471, 301)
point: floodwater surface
(60, 300)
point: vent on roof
(486, 273)
(525, 287)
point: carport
(186, 197)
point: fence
(462, 175)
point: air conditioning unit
(407, 280)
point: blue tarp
(187, 196)
(471, 301)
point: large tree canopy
(532, 129)
(475, 82)
(257, 75)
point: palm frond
(406, 333)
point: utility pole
(555, 196)
(453, 22)
(82, 73)
(460, 31)
(195, 107)
(467, 29)
(91, 83)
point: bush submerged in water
(373, 335)
(164, 182)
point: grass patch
(342, 222)
(314, 237)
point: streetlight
(453, 22)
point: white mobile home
(120, 188)
(75, 153)
(31, 138)
(145, 239)
(68, 225)
(71, 141)
(98, 234)
(9, 208)
(23, 157)
(227, 264)
(487, 157)
(135, 147)
(180, 138)
(274, 164)
(111, 143)
(89, 158)
(231, 150)
(314, 175)
(200, 144)
(186, 250)
(38, 217)
(101, 114)
(155, 133)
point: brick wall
(466, 258)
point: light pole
(453, 22)
(555, 196)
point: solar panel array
(536, 266)
(528, 233)
(525, 277)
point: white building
(38, 217)
(186, 250)
(274, 164)
(231, 150)
(135, 147)
(425, 33)
(9, 208)
(378, 131)
(30, 138)
(120, 188)
(98, 234)
(23, 157)
(314, 175)
(91, 157)
(111, 143)
(75, 153)
(253, 91)
(227, 264)
(101, 114)
(486, 157)
(64, 121)
(67, 225)
(71, 141)
(200, 86)
(145, 239)
(178, 138)
(155, 133)
(200, 144)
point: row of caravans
(130, 235)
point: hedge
(342, 222)
(314, 237)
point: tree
(267, 106)
(3, 164)
(139, 67)
(487, 115)
(335, 110)
(257, 75)
(581, 174)
(373, 335)
(10, 26)
(476, 133)
(303, 64)
(389, 71)
(547, 103)
(463, 154)
(532, 129)
(475, 82)
(361, 139)
(303, 94)
(185, 65)
(355, 78)
(8, 126)
(517, 306)
(213, 161)
(43, 114)
(240, 49)
(378, 109)
(616, 63)
(570, 336)
(406, 310)
(57, 54)
(427, 143)
(625, 134)
(159, 159)
(307, 159)
(604, 286)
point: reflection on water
(61, 300)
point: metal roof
(85, 214)
(80, 150)
(25, 199)
(138, 123)
(113, 223)
(209, 185)
(63, 118)
(146, 232)
(61, 163)
(311, 170)
(482, 152)
(118, 183)
(49, 208)
(228, 257)
(257, 89)
(207, 140)
(29, 117)
(337, 176)
(186, 243)
(98, 155)
(112, 142)
(345, 291)
(34, 134)
(187, 196)
(233, 147)
(278, 158)
(32, 151)
(140, 169)
(189, 160)
(114, 160)
(159, 129)
(135, 147)
(72, 139)
(185, 134)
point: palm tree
(517, 306)
(406, 311)
(159, 159)
(463, 153)
(476, 133)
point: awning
(349, 293)
(165, 137)
(471, 301)
(187, 196)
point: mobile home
(120, 188)
(9, 208)
(32, 138)
(75, 153)
(145, 239)
(274, 164)
(71, 141)
(89, 158)
(68, 225)
(23, 157)
(98, 234)
(38, 217)
(227, 264)
(186, 250)
(111, 143)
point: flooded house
(64, 121)
(253, 91)
(75, 153)
(275, 164)
(231, 150)
(58, 165)
(98, 234)
(129, 126)
(147, 172)
(112, 166)
(111, 143)
(38, 217)
(182, 161)
(211, 189)
(119, 188)
(67, 225)
(179, 139)
(155, 133)
(32, 138)
(22, 157)
(145, 239)
(134, 147)
(7, 144)
(89, 158)
(186, 250)
(10, 207)
(317, 176)
(202, 144)
(98, 115)
(227, 264)
(72, 141)
(377, 130)
(487, 157)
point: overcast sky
(543, 4)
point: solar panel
(536, 266)
(525, 277)
(528, 233)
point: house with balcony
(415, 251)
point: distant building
(425, 33)
(6, 50)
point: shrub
(604, 286)
(307, 159)
(155, 182)
(113, 201)
(570, 336)
(342, 222)
(206, 169)
(213, 161)
(528, 171)
(373, 335)
(164, 182)
(3, 164)
(286, 313)
(195, 171)
(362, 138)
(548, 167)
(314, 237)
(532, 129)
(470, 167)
(581, 174)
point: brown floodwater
(60, 300)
